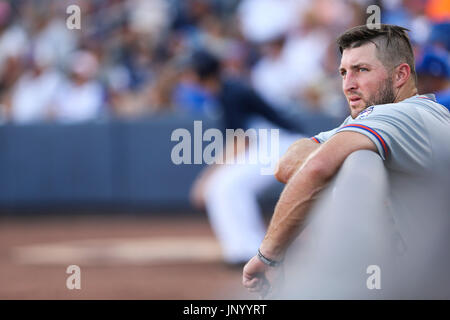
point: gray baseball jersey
(413, 138)
(410, 135)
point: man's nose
(349, 83)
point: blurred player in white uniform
(229, 192)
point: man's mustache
(354, 94)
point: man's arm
(295, 202)
(294, 157)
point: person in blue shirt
(433, 72)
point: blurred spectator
(81, 96)
(439, 36)
(190, 96)
(36, 90)
(157, 96)
(13, 38)
(50, 31)
(258, 26)
(149, 17)
(286, 54)
(161, 93)
(433, 63)
(13, 45)
(433, 72)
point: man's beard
(385, 93)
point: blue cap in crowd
(440, 34)
(434, 63)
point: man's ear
(402, 73)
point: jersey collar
(428, 96)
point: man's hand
(293, 159)
(260, 278)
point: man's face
(365, 81)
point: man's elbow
(282, 174)
(294, 158)
(318, 169)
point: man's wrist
(268, 261)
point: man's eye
(363, 69)
(343, 73)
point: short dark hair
(205, 64)
(392, 43)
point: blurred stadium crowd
(130, 57)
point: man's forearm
(292, 208)
(301, 190)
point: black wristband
(268, 261)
